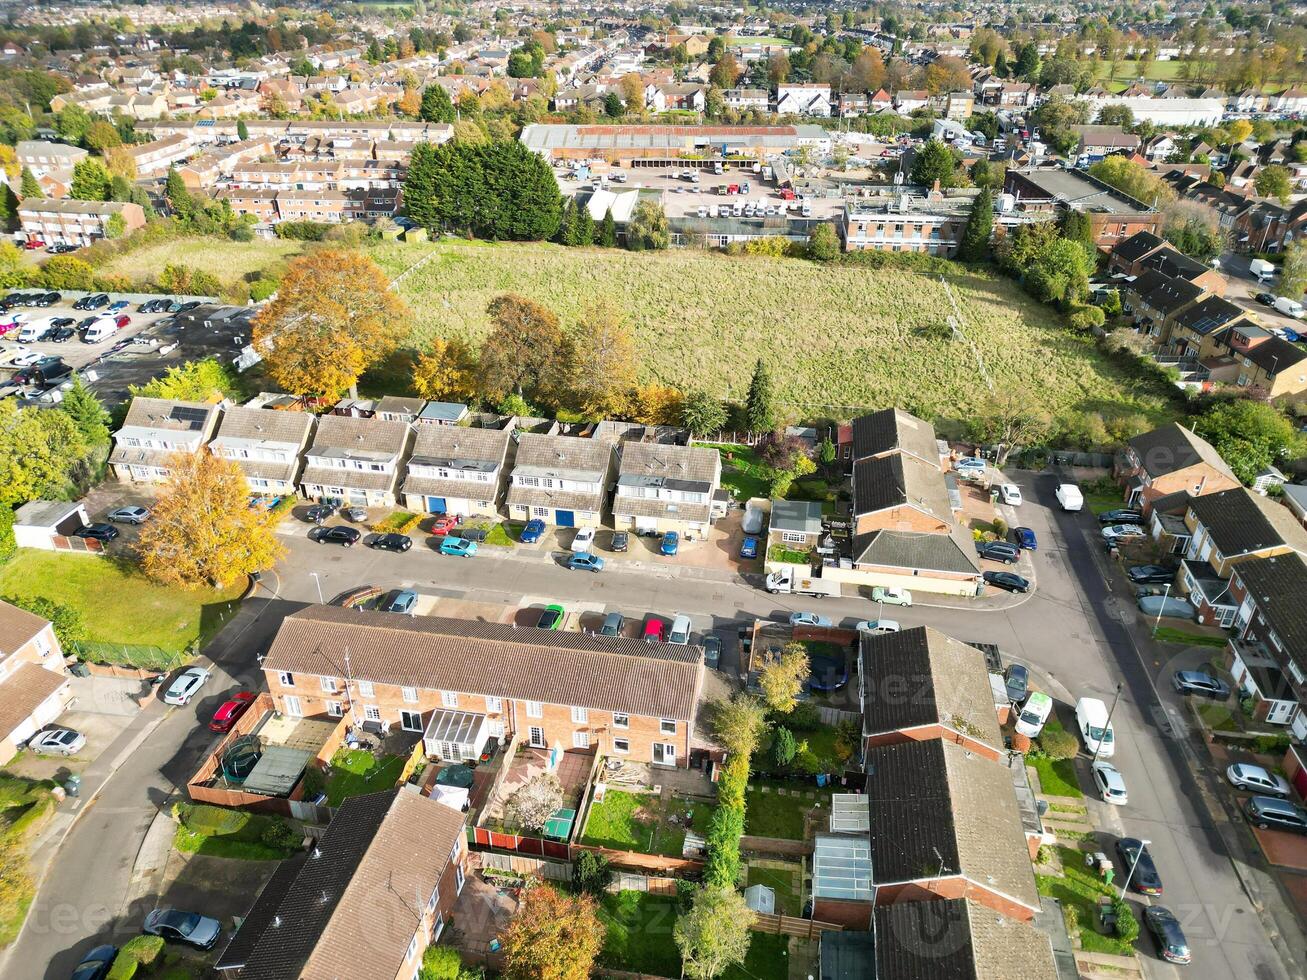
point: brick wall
(926, 733)
(954, 886)
(902, 518)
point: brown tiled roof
(563, 454)
(675, 510)
(331, 476)
(670, 462)
(22, 693)
(558, 499)
(495, 659)
(158, 413)
(17, 626)
(450, 442)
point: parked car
(1144, 878)
(129, 515)
(391, 542)
(1171, 606)
(1034, 713)
(1167, 934)
(587, 561)
(188, 306)
(809, 619)
(621, 541)
(320, 512)
(970, 463)
(583, 540)
(1150, 574)
(551, 617)
(339, 534)
(355, 514)
(1116, 533)
(1256, 779)
(613, 624)
(177, 926)
(229, 711)
(96, 964)
(45, 300)
(1017, 681)
(655, 630)
(122, 320)
(1008, 581)
(1121, 516)
(97, 531)
(92, 302)
(890, 596)
(749, 547)
(1198, 682)
(1025, 539)
(1110, 783)
(458, 547)
(680, 631)
(1003, 551)
(1010, 494)
(1266, 299)
(401, 601)
(62, 335)
(444, 524)
(752, 521)
(187, 683)
(671, 544)
(532, 531)
(118, 306)
(1269, 813)
(877, 627)
(57, 741)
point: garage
(565, 518)
(436, 505)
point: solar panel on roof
(193, 417)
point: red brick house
(1168, 460)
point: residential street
(1080, 629)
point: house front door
(1280, 713)
(664, 754)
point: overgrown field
(227, 260)
(837, 338)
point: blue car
(402, 601)
(671, 543)
(532, 532)
(585, 562)
(749, 548)
(458, 547)
(1026, 538)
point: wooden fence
(776, 845)
(833, 716)
(788, 925)
(517, 864)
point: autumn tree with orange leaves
(203, 531)
(553, 937)
(333, 318)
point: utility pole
(1134, 864)
(1108, 726)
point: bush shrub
(7, 543)
(591, 873)
(261, 289)
(1086, 318)
(806, 762)
(804, 718)
(1058, 744)
(280, 835)
(1071, 914)
(783, 747)
(1127, 926)
(136, 952)
(440, 963)
(302, 231)
(721, 869)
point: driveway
(1242, 287)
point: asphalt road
(1079, 628)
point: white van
(1034, 713)
(1289, 307)
(102, 329)
(33, 331)
(1070, 497)
(1095, 731)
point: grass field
(745, 41)
(225, 259)
(837, 338)
(1128, 71)
(118, 604)
(233, 834)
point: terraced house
(265, 444)
(455, 469)
(663, 487)
(560, 480)
(154, 430)
(546, 688)
(355, 459)
(1268, 655)
(1169, 460)
(34, 689)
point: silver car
(188, 682)
(1255, 779)
(57, 741)
(129, 515)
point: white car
(1118, 532)
(27, 358)
(1257, 779)
(680, 631)
(584, 540)
(57, 741)
(878, 626)
(1011, 494)
(973, 463)
(187, 684)
(1110, 783)
(891, 597)
(1034, 713)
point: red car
(122, 321)
(231, 710)
(32, 244)
(655, 630)
(443, 525)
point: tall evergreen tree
(8, 207)
(567, 226)
(585, 226)
(934, 161)
(242, 131)
(436, 105)
(29, 186)
(87, 413)
(608, 230)
(759, 414)
(980, 225)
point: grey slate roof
(664, 464)
(796, 515)
(1136, 246)
(881, 482)
(1240, 521)
(1163, 293)
(457, 446)
(1174, 263)
(1172, 447)
(1276, 355)
(1279, 587)
(952, 552)
(1208, 316)
(892, 428)
(956, 939)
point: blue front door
(565, 518)
(435, 505)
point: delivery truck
(787, 583)
(1262, 269)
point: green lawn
(1057, 778)
(818, 327)
(504, 534)
(821, 743)
(638, 936)
(1219, 718)
(23, 803)
(745, 41)
(777, 553)
(768, 959)
(638, 822)
(1169, 634)
(217, 832)
(784, 881)
(770, 814)
(118, 604)
(355, 772)
(1078, 888)
(742, 474)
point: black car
(32, 372)
(338, 534)
(1123, 515)
(712, 651)
(11, 299)
(1003, 551)
(187, 307)
(1166, 932)
(1150, 574)
(87, 321)
(1266, 299)
(153, 306)
(621, 540)
(549, 618)
(47, 299)
(49, 375)
(99, 531)
(92, 302)
(62, 335)
(391, 542)
(95, 965)
(62, 321)
(320, 512)
(1017, 680)
(1010, 581)
(1137, 863)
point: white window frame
(459, 878)
(328, 684)
(793, 537)
(292, 705)
(456, 851)
(531, 737)
(580, 716)
(494, 706)
(371, 712)
(580, 739)
(621, 720)
(622, 746)
(367, 689)
(412, 947)
(335, 709)
(409, 694)
(535, 709)
(449, 699)
(285, 678)
(404, 715)
(666, 726)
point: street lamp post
(1161, 609)
(1107, 727)
(1133, 864)
(318, 582)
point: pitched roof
(1172, 447)
(948, 680)
(952, 552)
(890, 429)
(377, 863)
(561, 455)
(263, 426)
(1279, 587)
(1136, 246)
(956, 939)
(18, 626)
(1275, 355)
(1174, 263)
(495, 659)
(344, 434)
(1240, 521)
(1208, 316)
(880, 482)
(168, 414)
(1165, 293)
(452, 445)
(663, 464)
(22, 692)
(937, 809)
